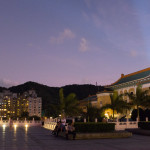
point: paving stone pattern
(38, 138)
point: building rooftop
(90, 98)
(105, 91)
(133, 76)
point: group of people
(67, 128)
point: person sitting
(63, 124)
(59, 128)
(63, 121)
(70, 130)
(54, 132)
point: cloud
(133, 53)
(66, 34)
(83, 45)
(7, 83)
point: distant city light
(4, 125)
(26, 125)
(15, 125)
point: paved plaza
(38, 138)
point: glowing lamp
(26, 125)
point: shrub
(141, 114)
(35, 118)
(94, 127)
(144, 125)
(147, 113)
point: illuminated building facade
(128, 83)
(125, 84)
(35, 104)
(7, 104)
(89, 100)
(12, 104)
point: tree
(140, 98)
(142, 114)
(24, 114)
(92, 113)
(52, 110)
(117, 103)
(69, 106)
(147, 113)
(35, 117)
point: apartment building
(35, 104)
(13, 104)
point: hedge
(90, 127)
(144, 125)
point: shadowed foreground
(37, 138)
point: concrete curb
(139, 131)
(109, 135)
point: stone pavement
(38, 138)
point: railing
(50, 124)
(125, 125)
(20, 123)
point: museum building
(125, 84)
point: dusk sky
(61, 42)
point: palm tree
(140, 98)
(69, 105)
(52, 110)
(117, 103)
(92, 112)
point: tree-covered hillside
(82, 91)
(50, 95)
(2, 88)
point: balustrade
(20, 122)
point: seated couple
(67, 129)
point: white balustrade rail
(125, 125)
(50, 123)
(4, 123)
(19, 123)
